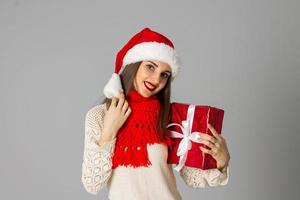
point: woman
(126, 145)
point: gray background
(56, 56)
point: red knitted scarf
(138, 131)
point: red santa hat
(144, 45)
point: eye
(150, 66)
(165, 75)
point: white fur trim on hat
(155, 51)
(113, 86)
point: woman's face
(151, 77)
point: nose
(155, 79)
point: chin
(147, 94)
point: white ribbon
(187, 136)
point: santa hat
(144, 45)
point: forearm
(97, 166)
(199, 178)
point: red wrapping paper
(203, 115)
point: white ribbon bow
(187, 136)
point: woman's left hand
(218, 147)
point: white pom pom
(113, 86)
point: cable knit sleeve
(198, 178)
(97, 159)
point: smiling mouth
(149, 86)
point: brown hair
(127, 76)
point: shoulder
(96, 110)
(95, 115)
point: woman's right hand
(115, 117)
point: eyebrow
(157, 66)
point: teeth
(150, 86)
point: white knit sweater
(143, 183)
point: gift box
(185, 123)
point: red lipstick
(149, 86)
